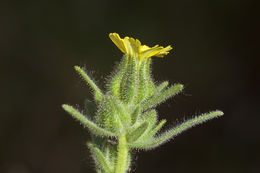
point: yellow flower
(133, 47)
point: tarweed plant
(123, 118)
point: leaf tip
(180, 86)
(77, 67)
(219, 113)
(65, 106)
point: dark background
(214, 56)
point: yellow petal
(118, 41)
(133, 47)
(166, 50)
(128, 47)
(135, 44)
(154, 51)
(144, 48)
(150, 52)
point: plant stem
(122, 152)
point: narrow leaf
(97, 92)
(162, 86)
(121, 111)
(156, 99)
(99, 158)
(177, 130)
(137, 133)
(118, 125)
(157, 128)
(151, 118)
(136, 114)
(91, 125)
(105, 113)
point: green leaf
(162, 86)
(121, 111)
(98, 156)
(137, 133)
(136, 114)
(157, 128)
(109, 151)
(156, 99)
(118, 125)
(148, 137)
(112, 115)
(151, 118)
(105, 113)
(97, 92)
(91, 125)
(157, 141)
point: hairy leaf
(100, 159)
(97, 92)
(91, 125)
(137, 133)
(157, 141)
(156, 99)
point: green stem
(122, 152)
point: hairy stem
(122, 153)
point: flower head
(133, 47)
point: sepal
(142, 83)
(150, 84)
(128, 84)
(115, 82)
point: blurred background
(215, 57)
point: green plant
(123, 118)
